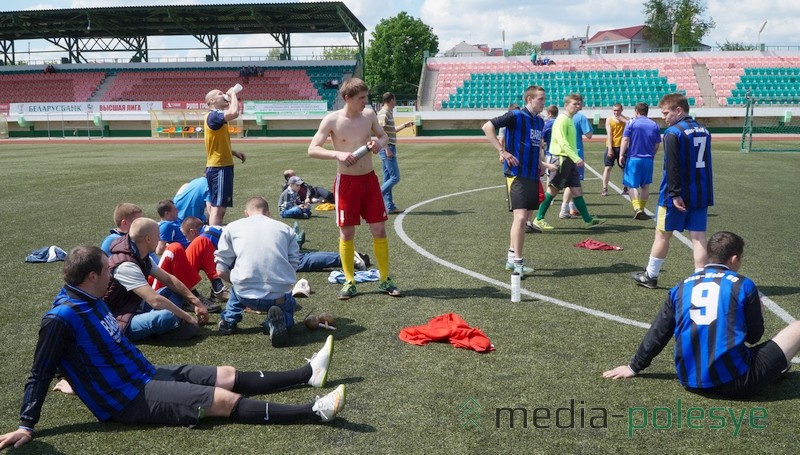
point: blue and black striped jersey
(711, 314)
(523, 140)
(687, 165)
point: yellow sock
(635, 204)
(642, 204)
(381, 248)
(347, 252)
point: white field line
(398, 226)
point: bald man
(224, 107)
(140, 311)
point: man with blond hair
(357, 191)
(522, 156)
(124, 214)
(565, 149)
(687, 187)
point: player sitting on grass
(291, 205)
(259, 256)
(203, 243)
(81, 338)
(712, 314)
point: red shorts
(175, 262)
(541, 192)
(358, 196)
(200, 255)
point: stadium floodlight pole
(758, 45)
(586, 41)
(674, 29)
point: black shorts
(176, 395)
(614, 157)
(522, 193)
(566, 176)
(767, 362)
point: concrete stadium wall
(434, 123)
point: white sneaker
(358, 262)
(328, 406)
(319, 364)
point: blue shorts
(220, 185)
(670, 219)
(638, 172)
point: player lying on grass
(81, 338)
(712, 314)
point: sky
(481, 21)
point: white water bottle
(515, 287)
(236, 89)
(363, 150)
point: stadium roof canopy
(83, 30)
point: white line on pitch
(398, 226)
(769, 303)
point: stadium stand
(711, 79)
(286, 83)
(36, 86)
(772, 79)
(602, 81)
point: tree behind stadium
(662, 15)
(395, 55)
(524, 48)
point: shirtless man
(356, 189)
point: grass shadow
(352, 426)
(779, 290)
(84, 427)
(453, 293)
(785, 388)
(166, 340)
(299, 335)
(606, 228)
(35, 446)
(614, 268)
(659, 376)
(445, 212)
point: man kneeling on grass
(712, 314)
(117, 383)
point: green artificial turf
(404, 398)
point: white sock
(572, 206)
(654, 267)
(510, 255)
(564, 207)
